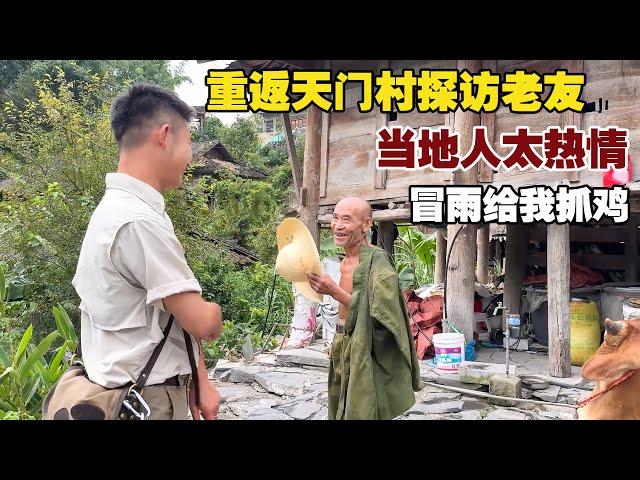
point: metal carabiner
(139, 415)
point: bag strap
(144, 375)
(194, 367)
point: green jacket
(373, 369)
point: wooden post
(385, 236)
(441, 253)
(515, 265)
(293, 156)
(558, 269)
(485, 172)
(310, 193)
(571, 118)
(461, 273)
(499, 252)
(324, 149)
(461, 280)
(382, 120)
(482, 262)
(632, 272)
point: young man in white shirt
(132, 274)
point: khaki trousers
(168, 403)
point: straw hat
(297, 256)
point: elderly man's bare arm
(325, 285)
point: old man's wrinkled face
(348, 225)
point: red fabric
(424, 342)
(425, 319)
(579, 277)
(617, 177)
(477, 304)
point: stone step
(481, 373)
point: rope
(582, 403)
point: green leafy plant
(28, 370)
(57, 147)
(327, 246)
(497, 267)
(26, 375)
(414, 255)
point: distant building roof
(211, 156)
(248, 65)
(238, 254)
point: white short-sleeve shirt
(129, 262)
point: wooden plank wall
(352, 144)
(349, 163)
(507, 122)
(350, 160)
(617, 81)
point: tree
(241, 139)
(18, 78)
(10, 70)
(57, 151)
(212, 129)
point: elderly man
(373, 368)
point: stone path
(292, 385)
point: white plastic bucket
(449, 349)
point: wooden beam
(499, 254)
(396, 214)
(461, 269)
(632, 273)
(449, 122)
(558, 299)
(311, 175)
(606, 234)
(324, 153)
(427, 230)
(482, 256)
(400, 202)
(569, 117)
(385, 236)
(592, 260)
(441, 253)
(461, 280)
(382, 120)
(485, 172)
(515, 265)
(392, 215)
(293, 156)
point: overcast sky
(196, 92)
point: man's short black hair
(144, 106)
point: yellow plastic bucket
(584, 330)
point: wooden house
(340, 160)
